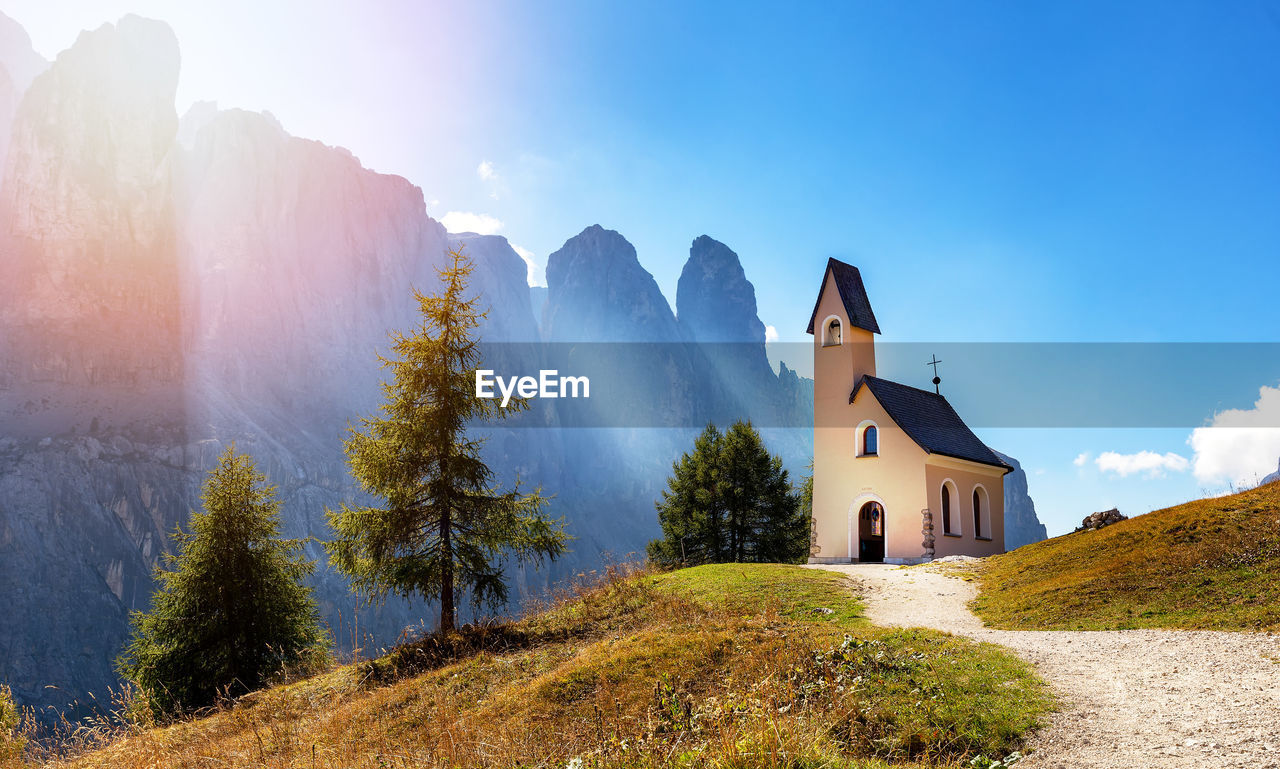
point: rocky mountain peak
(19, 65)
(197, 116)
(94, 134)
(1021, 524)
(89, 294)
(597, 291)
(714, 300)
(17, 57)
(502, 274)
(279, 233)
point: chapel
(898, 477)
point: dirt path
(1130, 698)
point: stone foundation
(813, 559)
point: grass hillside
(717, 666)
(1209, 564)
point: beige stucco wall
(844, 481)
(965, 476)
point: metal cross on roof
(937, 380)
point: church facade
(897, 475)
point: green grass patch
(1212, 564)
(756, 588)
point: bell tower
(844, 351)
(843, 328)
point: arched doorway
(871, 533)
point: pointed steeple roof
(856, 305)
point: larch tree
(444, 527)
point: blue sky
(999, 171)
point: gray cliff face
(9, 98)
(796, 389)
(89, 288)
(714, 300)
(716, 309)
(538, 298)
(197, 116)
(598, 292)
(19, 65)
(280, 234)
(1021, 526)
(508, 302)
(82, 523)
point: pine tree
(232, 609)
(782, 530)
(444, 527)
(729, 500)
(763, 512)
(691, 511)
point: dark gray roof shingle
(928, 419)
(852, 293)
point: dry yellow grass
(1209, 564)
(717, 666)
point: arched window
(870, 441)
(977, 513)
(877, 521)
(831, 335)
(981, 512)
(946, 509)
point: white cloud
(1149, 463)
(537, 276)
(493, 180)
(1081, 459)
(465, 221)
(770, 334)
(1239, 446)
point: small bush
(12, 743)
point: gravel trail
(1129, 698)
